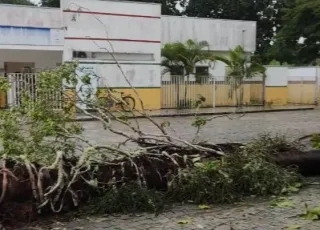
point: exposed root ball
(307, 162)
(70, 182)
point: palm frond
(187, 54)
(223, 59)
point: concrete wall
(293, 85)
(276, 85)
(29, 25)
(302, 85)
(126, 29)
(222, 35)
(30, 16)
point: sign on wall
(11, 35)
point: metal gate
(178, 92)
(26, 83)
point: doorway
(22, 79)
(19, 67)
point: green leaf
(281, 202)
(86, 80)
(311, 214)
(203, 206)
(183, 222)
(292, 189)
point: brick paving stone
(292, 124)
(250, 215)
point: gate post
(316, 96)
(11, 89)
(263, 91)
(214, 93)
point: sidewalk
(210, 111)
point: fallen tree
(47, 165)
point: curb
(201, 114)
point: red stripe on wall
(111, 14)
(111, 39)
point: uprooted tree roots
(28, 188)
(70, 181)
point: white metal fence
(181, 92)
(26, 84)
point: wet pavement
(211, 111)
(252, 214)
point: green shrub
(238, 175)
(129, 198)
(249, 171)
(208, 182)
(268, 144)
(254, 174)
(315, 140)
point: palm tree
(239, 68)
(179, 56)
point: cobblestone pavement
(250, 215)
(292, 124)
(255, 215)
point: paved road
(292, 124)
(250, 215)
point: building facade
(95, 33)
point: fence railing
(183, 92)
(27, 84)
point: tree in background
(240, 67)
(179, 56)
(17, 2)
(267, 13)
(300, 21)
(168, 7)
(50, 3)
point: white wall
(302, 74)
(222, 35)
(281, 75)
(277, 76)
(145, 31)
(30, 16)
(118, 27)
(111, 76)
(42, 59)
(25, 25)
